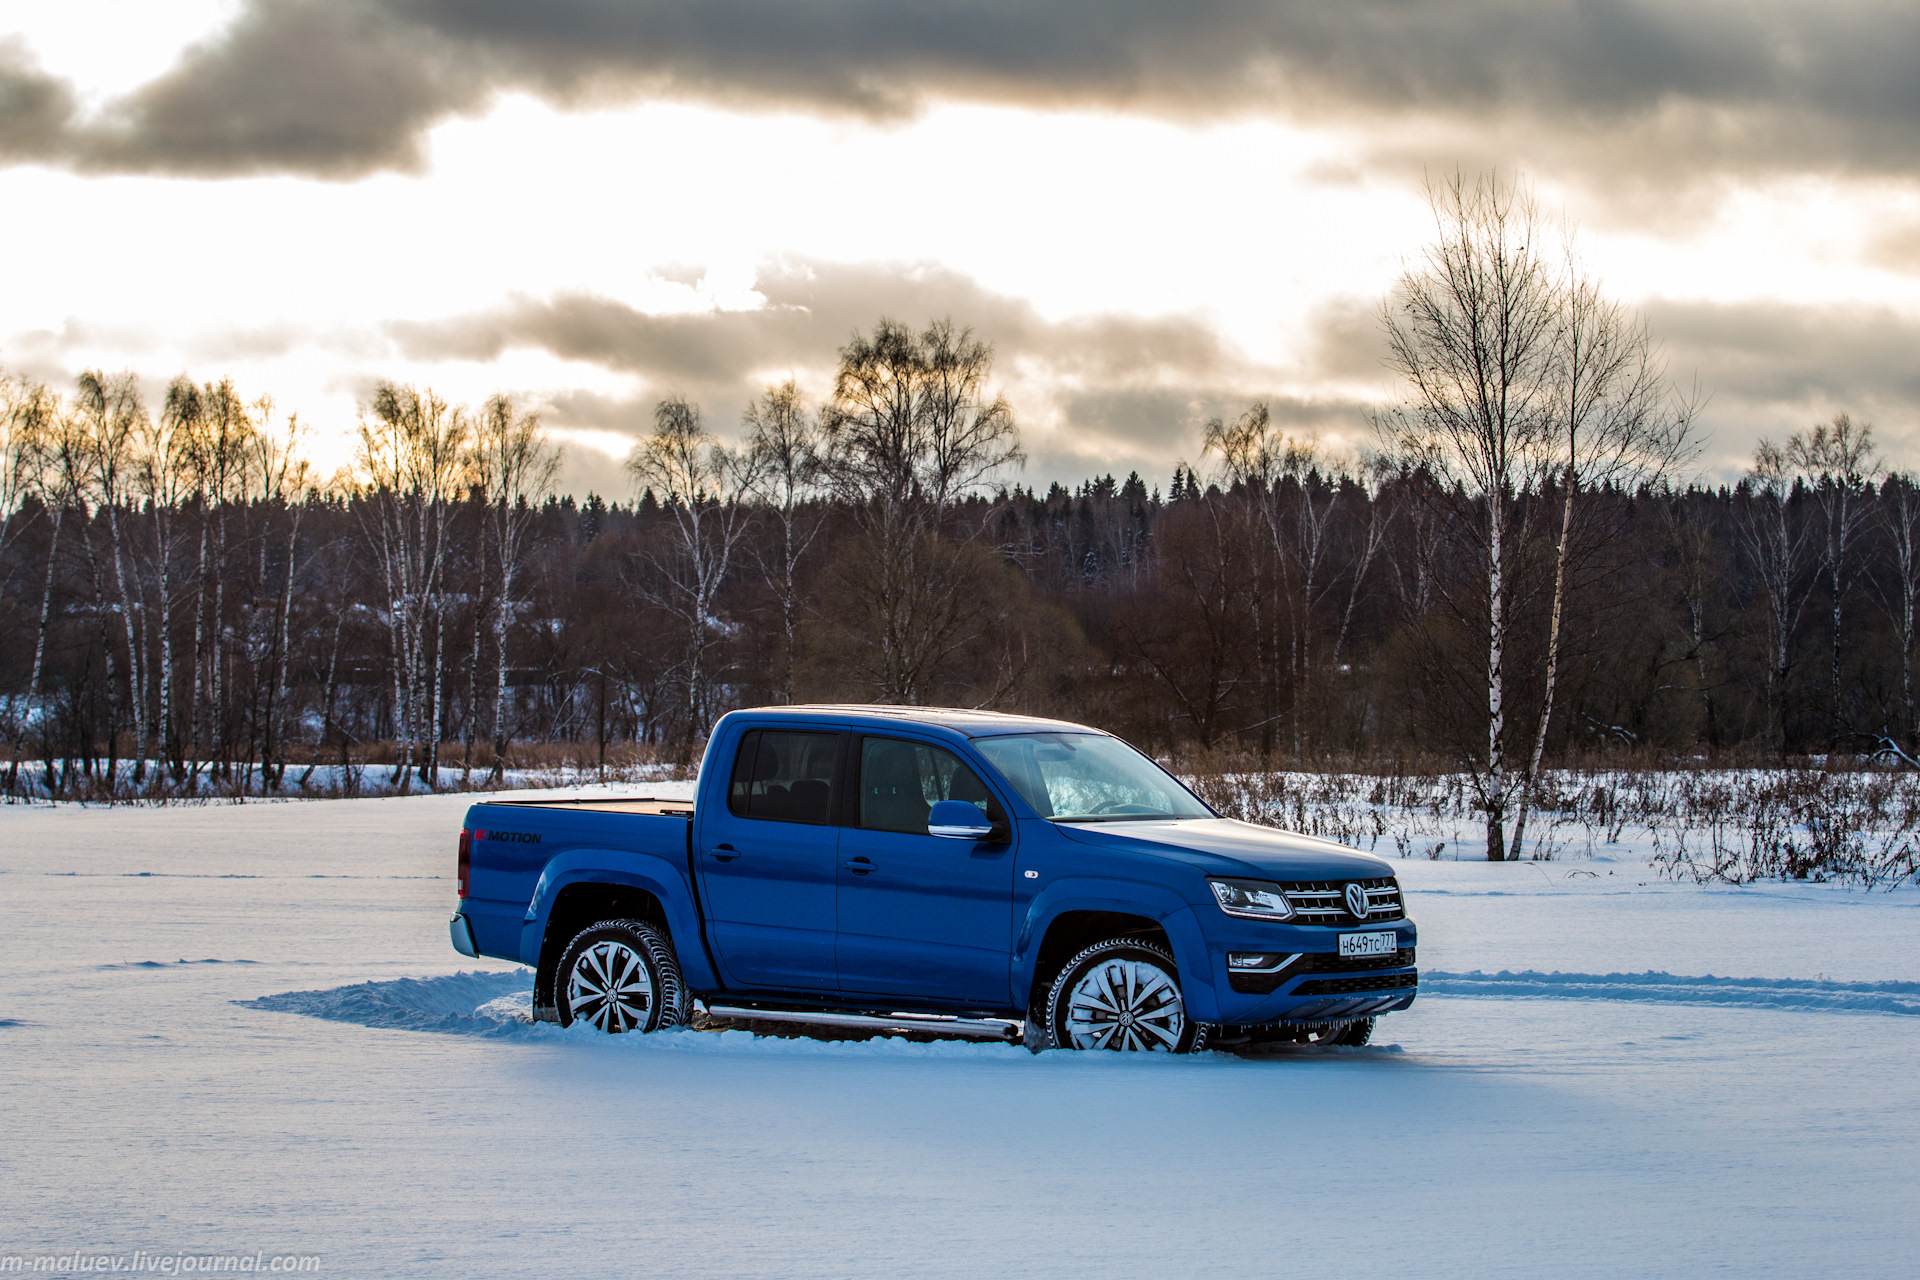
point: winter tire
(1122, 994)
(1033, 1034)
(621, 975)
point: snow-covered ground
(239, 1027)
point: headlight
(1251, 899)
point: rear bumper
(461, 935)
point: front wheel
(620, 975)
(1122, 994)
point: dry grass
(1702, 821)
(369, 769)
(1855, 825)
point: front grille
(1260, 982)
(1334, 962)
(1324, 901)
(1347, 986)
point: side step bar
(1002, 1029)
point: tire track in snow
(1667, 988)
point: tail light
(466, 861)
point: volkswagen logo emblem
(1357, 901)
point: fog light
(1253, 960)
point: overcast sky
(1156, 212)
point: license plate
(1369, 944)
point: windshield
(1087, 777)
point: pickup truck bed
(625, 804)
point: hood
(1229, 847)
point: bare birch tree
(1472, 330)
(1298, 521)
(26, 409)
(702, 487)
(1842, 467)
(410, 464)
(1899, 509)
(111, 414)
(63, 484)
(786, 443)
(1690, 550)
(514, 468)
(31, 411)
(1776, 542)
(213, 433)
(166, 481)
(1617, 422)
(912, 428)
(287, 482)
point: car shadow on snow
(500, 1005)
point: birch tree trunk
(198, 658)
(1496, 786)
(272, 761)
(1472, 333)
(34, 709)
(136, 667)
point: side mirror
(958, 820)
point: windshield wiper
(1120, 817)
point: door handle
(860, 866)
(724, 853)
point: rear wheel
(620, 975)
(1122, 994)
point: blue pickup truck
(850, 863)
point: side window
(900, 781)
(784, 777)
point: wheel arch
(1070, 914)
(579, 889)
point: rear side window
(784, 777)
(900, 782)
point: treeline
(181, 590)
(1519, 574)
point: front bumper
(1315, 984)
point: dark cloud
(1898, 249)
(1149, 428)
(1775, 368)
(1092, 392)
(812, 309)
(1121, 392)
(335, 89)
(1346, 340)
(35, 108)
(1794, 355)
(338, 87)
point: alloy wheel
(1125, 1004)
(610, 987)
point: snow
(240, 1027)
